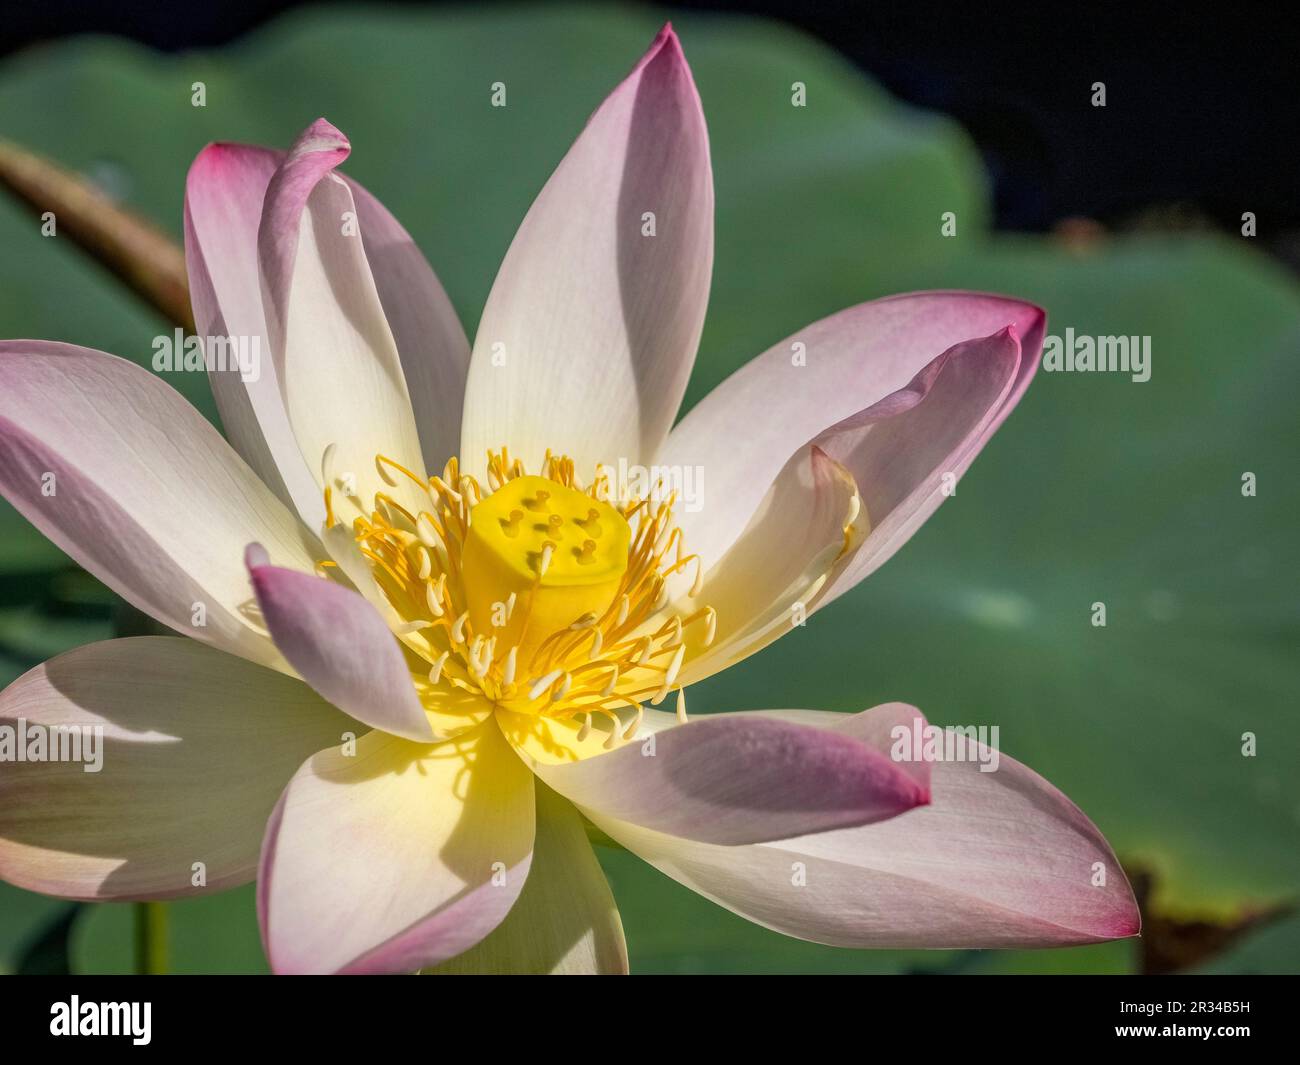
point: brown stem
(134, 250)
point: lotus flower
(429, 619)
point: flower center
(561, 552)
(539, 594)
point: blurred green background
(1097, 489)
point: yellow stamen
(572, 588)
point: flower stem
(142, 256)
(150, 938)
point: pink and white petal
(195, 748)
(590, 330)
(733, 779)
(430, 339)
(340, 645)
(121, 473)
(897, 453)
(763, 585)
(999, 859)
(565, 922)
(335, 358)
(907, 450)
(397, 857)
(852, 360)
(223, 208)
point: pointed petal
(901, 454)
(196, 747)
(340, 645)
(852, 360)
(998, 859)
(740, 778)
(907, 452)
(396, 858)
(590, 331)
(126, 477)
(565, 922)
(337, 363)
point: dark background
(1200, 123)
